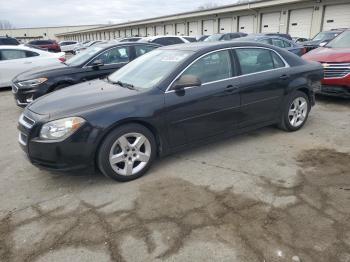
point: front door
(199, 112)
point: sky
(35, 13)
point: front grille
(336, 70)
(26, 121)
(26, 124)
(14, 88)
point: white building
(300, 18)
(28, 34)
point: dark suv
(5, 40)
(49, 45)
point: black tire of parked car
(285, 123)
(104, 150)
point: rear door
(199, 112)
(263, 80)
(112, 59)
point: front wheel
(127, 152)
(295, 112)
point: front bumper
(336, 87)
(75, 152)
(24, 96)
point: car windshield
(150, 69)
(213, 38)
(342, 41)
(83, 56)
(324, 36)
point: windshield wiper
(122, 84)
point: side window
(114, 56)
(31, 54)
(143, 49)
(212, 67)
(161, 41)
(265, 41)
(277, 61)
(286, 44)
(278, 42)
(12, 54)
(254, 60)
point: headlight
(61, 129)
(32, 82)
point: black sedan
(97, 61)
(166, 100)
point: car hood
(43, 71)
(323, 54)
(82, 97)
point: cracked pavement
(263, 196)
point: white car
(165, 40)
(68, 46)
(17, 59)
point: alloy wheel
(129, 154)
(298, 111)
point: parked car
(68, 46)
(164, 40)
(5, 40)
(49, 45)
(96, 62)
(300, 39)
(224, 37)
(164, 101)
(190, 38)
(17, 59)
(130, 39)
(335, 58)
(85, 46)
(201, 38)
(276, 41)
(321, 38)
(287, 36)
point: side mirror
(186, 81)
(97, 63)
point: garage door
(300, 22)
(180, 29)
(225, 25)
(142, 31)
(208, 27)
(169, 29)
(159, 30)
(128, 32)
(150, 31)
(193, 28)
(135, 32)
(246, 24)
(336, 16)
(270, 23)
(122, 33)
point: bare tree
(207, 6)
(5, 24)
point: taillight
(62, 59)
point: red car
(49, 45)
(335, 58)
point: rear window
(8, 41)
(41, 42)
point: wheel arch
(143, 123)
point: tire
(119, 146)
(294, 120)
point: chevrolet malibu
(164, 101)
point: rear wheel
(296, 112)
(127, 152)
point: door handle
(284, 77)
(231, 88)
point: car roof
(160, 36)
(112, 44)
(209, 46)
